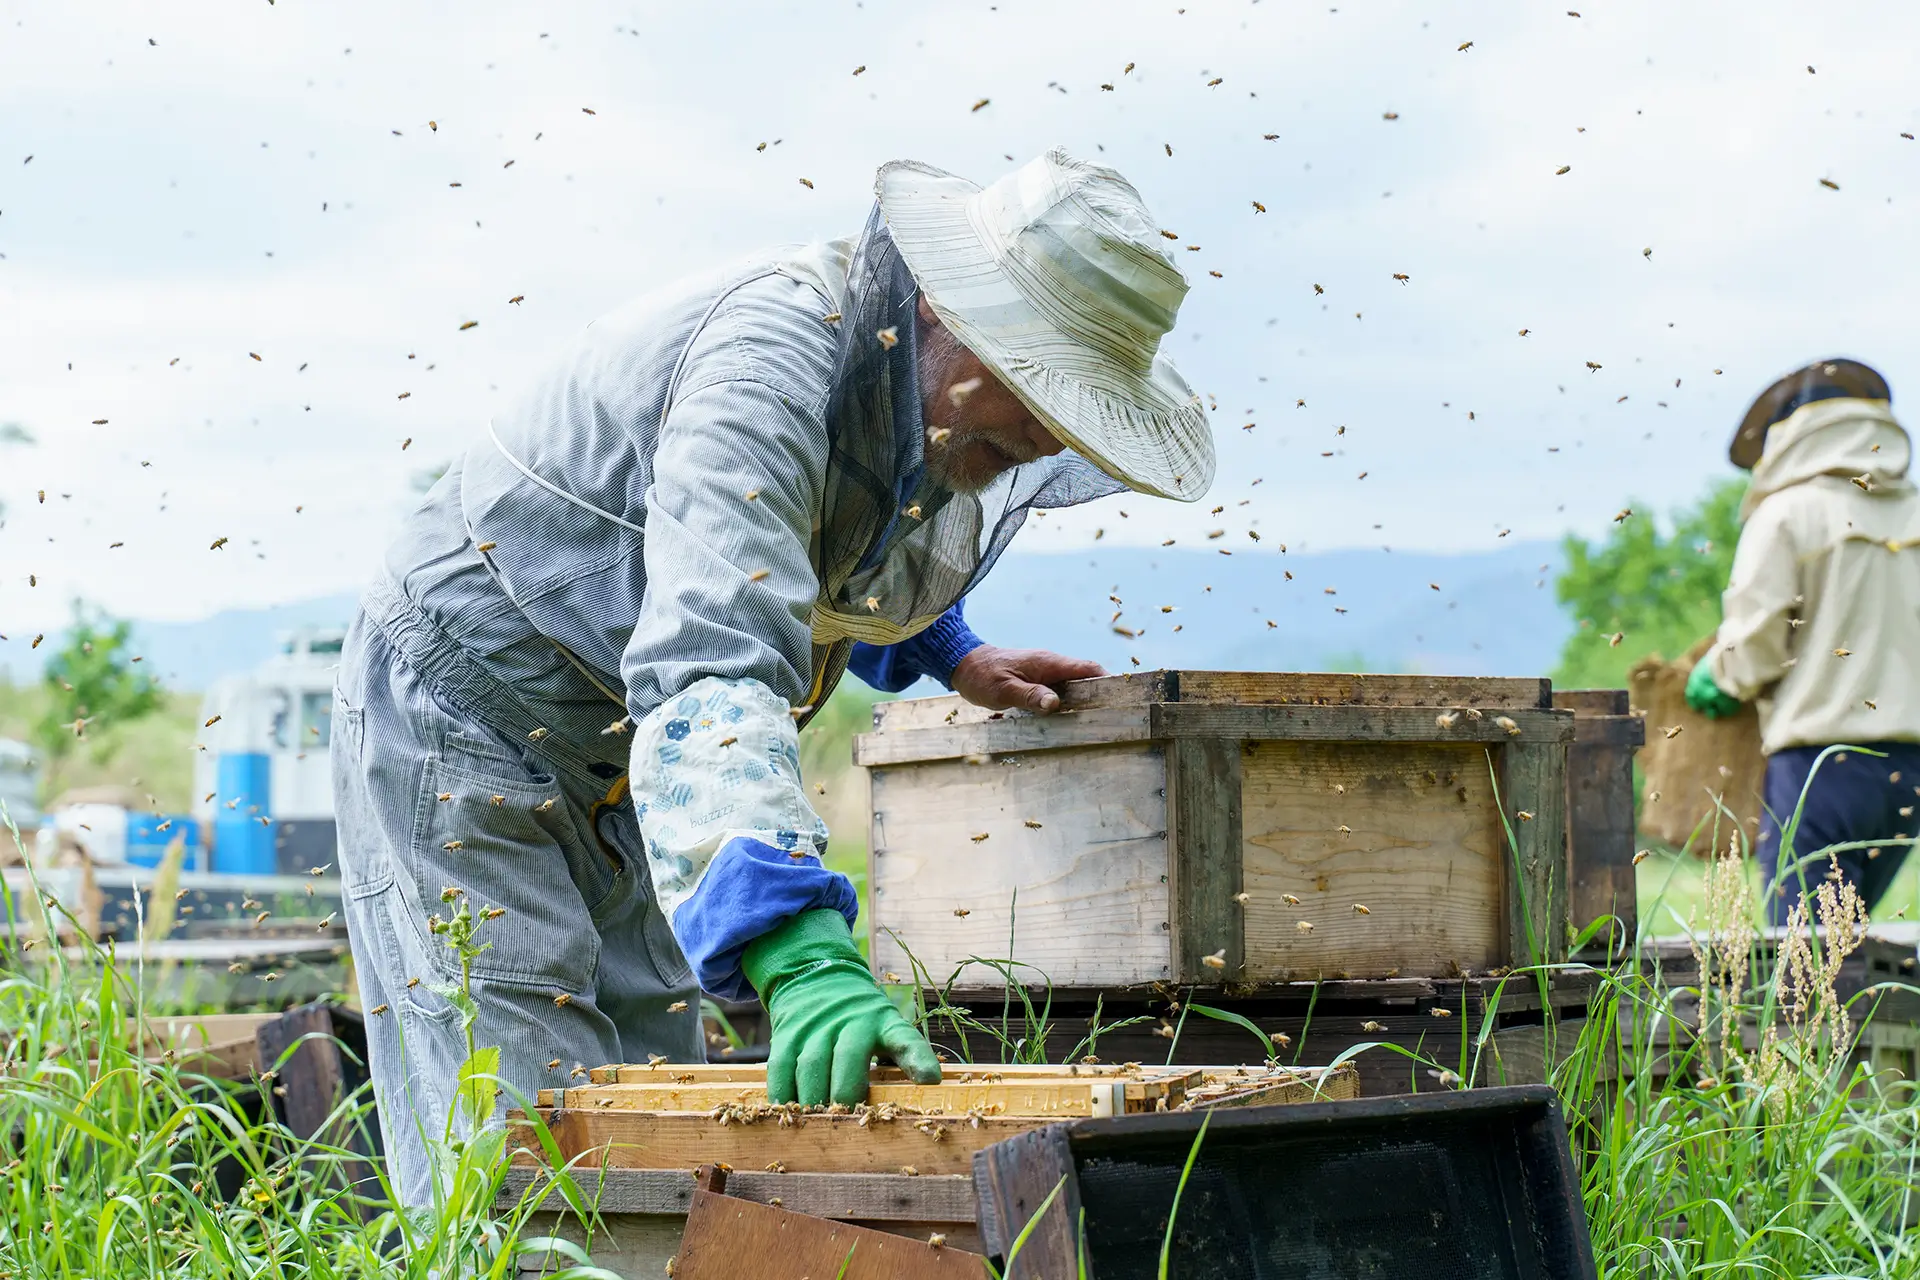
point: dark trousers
(1853, 797)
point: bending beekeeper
(1822, 627)
(576, 689)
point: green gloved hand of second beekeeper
(1707, 697)
(829, 1016)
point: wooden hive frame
(674, 1116)
(1131, 823)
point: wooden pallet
(1223, 829)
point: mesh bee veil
(897, 548)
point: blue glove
(1708, 698)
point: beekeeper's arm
(720, 657)
(1754, 647)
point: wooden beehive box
(1161, 827)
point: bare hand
(998, 678)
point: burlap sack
(1689, 775)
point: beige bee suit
(1821, 620)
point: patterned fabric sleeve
(721, 650)
(733, 845)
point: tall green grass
(1724, 1129)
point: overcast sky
(336, 188)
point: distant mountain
(192, 655)
(1494, 613)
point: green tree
(1658, 592)
(94, 690)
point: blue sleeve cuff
(748, 888)
(934, 652)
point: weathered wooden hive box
(1222, 828)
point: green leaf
(477, 1087)
(459, 999)
(1239, 1020)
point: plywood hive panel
(1410, 832)
(1058, 860)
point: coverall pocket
(508, 838)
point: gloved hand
(829, 1015)
(1706, 697)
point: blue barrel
(148, 837)
(242, 843)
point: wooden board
(862, 1197)
(1091, 880)
(814, 1143)
(1007, 733)
(1057, 1097)
(1357, 724)
(1533, 804)
(955, 1072)
(1138, 689)
(1423, 852)
(1259, 1087)
(1204, 777)
(1600, 820)
(1001, 736)
(727, 1238)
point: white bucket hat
(1055, 276)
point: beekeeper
(575, 691)
(1822, 627)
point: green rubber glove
(829, 1015)
(1706, 697)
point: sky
(239, 242)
